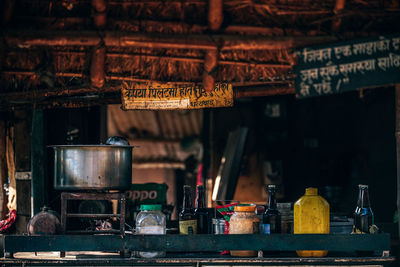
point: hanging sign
(172, 96)
(337, 68)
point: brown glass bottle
(272, 217)
(187, 218)
(363, 215)
(202, 215)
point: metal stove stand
(66, 196)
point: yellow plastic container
(311, 216)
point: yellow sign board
(172, 96)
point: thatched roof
(166, 40)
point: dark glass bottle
(187, 218)
(202, 215)
(363, 215)
(271, 218)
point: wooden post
(215, 14)
(210, 69)
(3, 166)
(38, 161)
(339, 6)
(8, 6)
(97, 73)
(100, 16)
(215, 18)
(397, 107)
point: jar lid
(245, 207)
(311, 191)
(150, 207)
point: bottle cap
(150, 207)
(311, 191)
(245, 207)
(362, 186)
(271, 186)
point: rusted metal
(193, 41)
(46, 222)
(66, 196)
(397, 107)
(337, 21)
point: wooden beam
(180, 59)
(260, 91)
(164, 41)
(336, 22)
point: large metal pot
(92, 167)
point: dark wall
(73, 127)
(333, 143)
(342, 141)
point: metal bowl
(92, 167)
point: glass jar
(244, 221)
(150, 221)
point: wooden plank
(171, 96)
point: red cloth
(8, 221)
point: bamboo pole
(241, 90)
(180, 59)
(194, 41)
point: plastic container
(150, 221)
(311, 216)
(244, 221)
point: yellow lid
(311, 191)
(250, 208)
